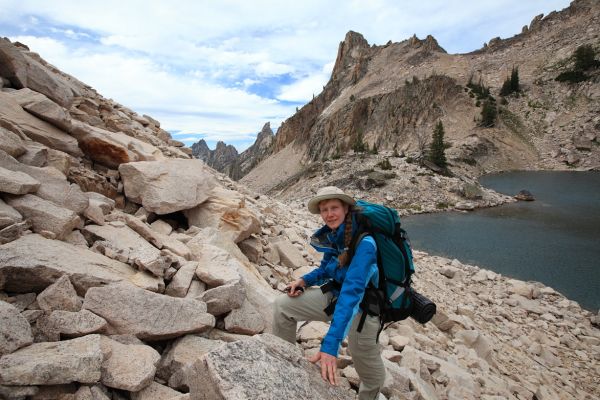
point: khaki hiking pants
(288, 311)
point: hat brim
(313, 204)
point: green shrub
(571, 76)
(511, 84)
(359, 146)
(385, 164)
(488, 114)
(585, 58)
(441, 205)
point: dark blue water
(554, 240)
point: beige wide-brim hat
(328, 193)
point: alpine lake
(554, 239)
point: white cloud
(304, 89)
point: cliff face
(388, 95)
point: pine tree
(488, 114)
(514, 80)
(437, 148)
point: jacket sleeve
(318, 275)
(360, 271)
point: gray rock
(147, 315)
(24, 71)
(112, 148)
(156, 391)
(75, 360)
(123, 243)
(181, 355)
(45, 215)
(265, 367)
(96, 392)
(106, 204)
(8, 215)
(36, 129)
(15, 331)
(22, 301)
(161, 227)
(54, 185)
(245, 320)
(11, 143)
(182, 280)
(17, 392)
(73, 324)
(288, 253)
(216, 267)
(36, 155)
(128, 367)
(397, 382)
(61, 295)
(222, 299)
(32, 263)
(167, 186)
(476, 341)
(42, 107)
(252, 248)
(15, 182)
(226, 211)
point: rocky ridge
(225, 158)
(130, 271)
(389, 95)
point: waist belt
(326, 288)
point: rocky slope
(129, 270)
(390, 95)
(222, 158)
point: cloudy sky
(219, 70)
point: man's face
(333, 212)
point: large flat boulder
(15, 182)
(167, 186)
(112, 148)
(128, 245)
(15, 331)
(24, 71)
(262, 367)
(147, 315)
(42, 107)
(54, 185)
(55, 363)
(45, 215)
(128, 366)
(35, 128)
(69, 324)
(225, 210)
(32, 263)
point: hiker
(343, 283)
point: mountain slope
(386, 95)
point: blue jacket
(354, 278)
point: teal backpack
(393, 300)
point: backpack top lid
(378, 216)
